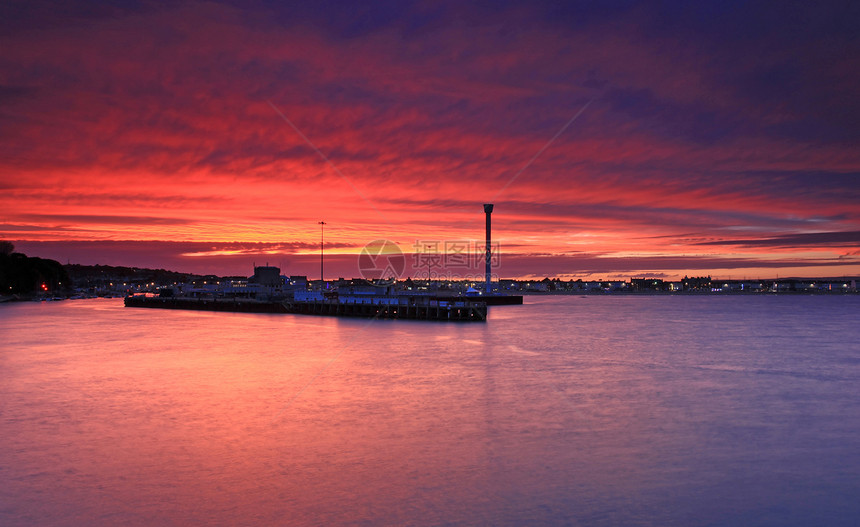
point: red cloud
(169, 115)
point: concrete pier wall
(403, 308)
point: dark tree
(20, 275)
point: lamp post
(322, 231)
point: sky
(616, 139)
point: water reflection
(596, 411)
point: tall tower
(488, 209)
(322, 225)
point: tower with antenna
(322, 225)
(488, 210)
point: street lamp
(322, 231)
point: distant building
(267, 276)
(646, 284)
(696, 283)
(298, 281)
(613, 285)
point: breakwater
(398, 307)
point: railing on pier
(391, 307)
(395, 307)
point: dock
(453, 309)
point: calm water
(568, 410)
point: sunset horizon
(634, 140)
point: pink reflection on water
(566, 410)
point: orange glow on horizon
(185, 147)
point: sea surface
(652, 410)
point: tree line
(24, 275)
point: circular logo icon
(381, 260)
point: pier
(396, 307)
(454, 309)
(235, 305)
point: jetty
(453, 309)
(269, 292)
